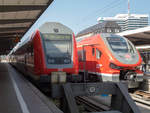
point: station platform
(18, 95)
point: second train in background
(109, 57)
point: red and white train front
(111, 57)
(50, 55)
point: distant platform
(147, 74)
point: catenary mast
(128, 8)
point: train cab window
(93, 51)
(117, 31)
(131, 49)
(98, 54)
(109, 30)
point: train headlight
(51, 61)
(66, 61)
(114, 66)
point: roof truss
(13, 8)
(16, 17)
(11, 21)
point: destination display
(56, 36)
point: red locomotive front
(109, 57)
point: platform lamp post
(16, 40)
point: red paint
(40, 67)
(102, 65)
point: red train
(50, 55)
(109, 57)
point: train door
(97, 60)
(92, 59)
(89, 64)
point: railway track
(91, 105)
(141, 97)
(144, 94)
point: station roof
(98, 28)
(16, 17)
(140, 37)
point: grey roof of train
(97, 27)
(53, 27)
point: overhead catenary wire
(101, 11)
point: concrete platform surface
(18, 95)
(143, 108)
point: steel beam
(49, 2)
(69, 103)
(120, 99)
(140, 43)
(137, 38)
(13, 33)
(8, 37)
(14, 8)
(3, 49)
(147, 33)
(12, 28)
(5, 42)
(85, 89)
(12, 21)
(16, 31)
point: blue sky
(80, 14)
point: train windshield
(58, 48)
(120, 45)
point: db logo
(60, 69)
(98, 65)
(127, 56)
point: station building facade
(128, 21)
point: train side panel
(39, 58)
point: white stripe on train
(106, 74)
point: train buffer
(121, 102)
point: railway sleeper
(121, 102)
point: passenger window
(93, 51)
(109, 30)
(98, 54)
(82, 55)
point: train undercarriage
(78, 86)
(130, 77)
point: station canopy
(140, 37)
(16, 17)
